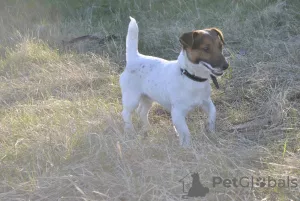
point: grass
(61, 135)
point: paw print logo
(260, 182)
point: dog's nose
(225, 66)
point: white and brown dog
(178, 85)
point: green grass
(61, 135)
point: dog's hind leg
(130, 102)
(143, 110)
(144, 107)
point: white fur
(147, 79)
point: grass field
(61, 132)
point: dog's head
(205, 47)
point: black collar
(199, 79)
(192, 77)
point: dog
(179, 85)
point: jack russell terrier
(178, 85)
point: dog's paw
(185, 142)
(128, 128)
(129, 131)
(210, 127)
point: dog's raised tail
(132, 39)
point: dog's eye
(206, 49)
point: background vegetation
(61, 134)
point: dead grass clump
(35, 71)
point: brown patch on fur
(205, 45)
(219, 33)
(188, 39)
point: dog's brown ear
(219, 33)
(187, 39)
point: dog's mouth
(215, 72)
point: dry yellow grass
(61, 135)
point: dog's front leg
(178, 119)
(209, 107)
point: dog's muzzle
(215, 72)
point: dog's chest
(192, 97)
(169, 92)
